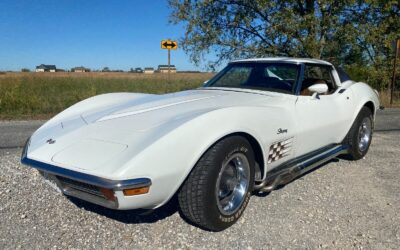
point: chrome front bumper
(87, 187)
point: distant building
(80, 69)
(148, 70)
(46, 68)
(164, 68)
(139, 70)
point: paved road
(342, 205)
(388, 120)
(13, 134)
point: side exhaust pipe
(287, 172)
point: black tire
(199, 197)
(356, 151)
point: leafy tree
(345, 32)
(106, 69)
(25, 70)
(374, 25)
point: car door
(321, 120)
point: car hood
(150, 103)
(104, 136)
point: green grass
(41, 95)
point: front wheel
(360, 135)
(218, 189)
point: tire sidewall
(356, 152)
(231, 146)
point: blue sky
(95, 34)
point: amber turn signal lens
(136, 191)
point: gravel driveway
(340, 205)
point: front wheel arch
(196, 200)
(258, 154)
(259, 168)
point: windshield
(277, 77)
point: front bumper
(87, 187)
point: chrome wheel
(364, 134)
(232, 183)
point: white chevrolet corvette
(256, 125)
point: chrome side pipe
(289, 171)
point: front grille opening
(80, 186)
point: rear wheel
(218, 189)
(360, 135)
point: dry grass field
(41, 95)
(384, 97)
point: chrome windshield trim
(87, 178)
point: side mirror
(318, 88)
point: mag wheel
(364, 134)
(360, 135)
(232, 183)
(218, 189)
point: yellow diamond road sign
(168, 44)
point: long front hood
(148, 103)
(101, 139)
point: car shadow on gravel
(138, 216)
(134, 216)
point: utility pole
(397, 44)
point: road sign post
(169, 45)
(169, 61)
(397, 48)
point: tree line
(357, 35)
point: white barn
(164, 68)
(148, 70)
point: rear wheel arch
(371, 106)
(362, 128)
